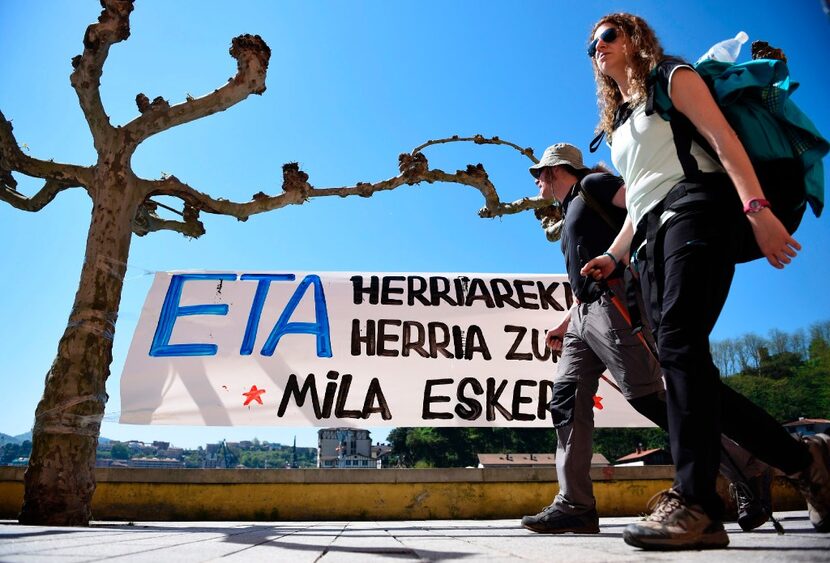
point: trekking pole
(731, 462)
(603, 285)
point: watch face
(755, 205)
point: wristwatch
(755, 205)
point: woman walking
(687, 208)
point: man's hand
(553, 339)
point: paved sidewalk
(432, 540)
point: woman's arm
(619, 198)
(691, 97)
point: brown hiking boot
(675, 525)
(814, 482)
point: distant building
(220, 456)
(381, 453)
(154, 462)
(529, 460)
(137, 447)
(172, 452)
(349, 448)
(808, 426)
(656, 456)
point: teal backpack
(784, 146)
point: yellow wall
(143, 495)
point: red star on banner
(253, 395)
(598, 402)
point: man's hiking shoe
(753, 500)
(553, 521)
(814, 482)
(675, 525)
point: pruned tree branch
(147, 221)
(494, 207)
(413, 167)
(252, 56)
(58, 176)
(479, 140)
(513, 207)
(35, 203)
(113, 26)
(260, 203)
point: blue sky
(350, 86)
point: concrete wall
(355, 494)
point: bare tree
(800, 344)
(726, 356)
(719, 356)
(60, 480)
(820, 332)
(750, 348)
(779, 341)
(734, 356)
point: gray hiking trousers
(598, 337)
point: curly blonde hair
(643, 55)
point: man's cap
(555, 155)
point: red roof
(801, 421)
(638, 455)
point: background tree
(459, 447)
(778, 342)
(615, 443)
(799, 343)
(194, 458)
(819, 339)
(12, 451)
(723, 354)
(120, 451)
(789, 381)
(60, 481)
(749, 350)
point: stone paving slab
(336, 542)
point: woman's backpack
(784, 146)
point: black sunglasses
(607, 36)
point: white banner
(350, 349)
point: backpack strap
(596, 207)
(622, 113)
(596, 142)
(683, 131)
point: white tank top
(644, 152)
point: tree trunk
(60, 479)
